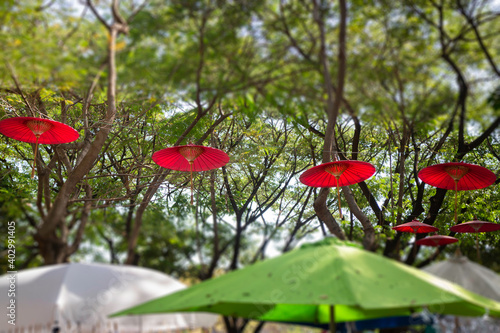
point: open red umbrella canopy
(436, 240)
(190, 158)
(475, 226)
(337, 174)
(415, 227)
(28, 129)
(37, 130)
(457, 176)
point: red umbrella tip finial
(456, 171)
(436, 240)
(337, 169)
(38, 127)
(190, 153)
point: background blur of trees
(280, 86)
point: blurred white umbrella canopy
(469, 275)
(78, 297)
(474, 277)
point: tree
(405, 102)
(281, 86)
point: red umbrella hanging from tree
(337, 174)
(475, 227)
(457, 176)
(415, 227)
(436, 240)
(37, 130)
(192, 158)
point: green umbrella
(322, 283)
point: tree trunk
(50, 245)
(332, 107)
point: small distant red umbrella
(475, 227)
(457, 176)
(436, 240)
(415, 227)
(190, 158)
(37, 130)
(336, 174)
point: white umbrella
(474, 277)
(78, 298)
(469, 275)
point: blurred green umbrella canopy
(302, 285)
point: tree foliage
(280, 86)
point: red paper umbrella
(415, 227)
(436, 240)
(336, 174)
(37, 130)
(190, 158)
(457, 176)
(475, 227)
